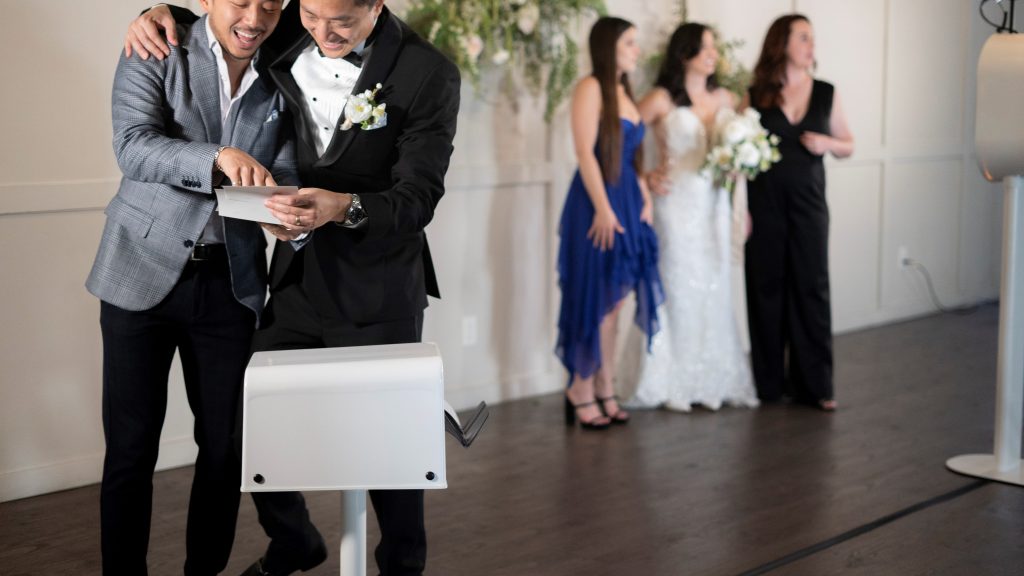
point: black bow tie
(354, 59)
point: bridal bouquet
(742, 148)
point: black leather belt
(208, 252)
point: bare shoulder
(588, 86)
(658, 96)
(656, 103)
(587, 93)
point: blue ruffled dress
(594, 281)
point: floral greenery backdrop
(533, 37)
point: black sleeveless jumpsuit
(787, 262)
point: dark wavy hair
(683, 46)
(770, 71)
(604, 39)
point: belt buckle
(193, 257)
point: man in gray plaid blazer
(174, 275)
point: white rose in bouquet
(748, 155)
(735, 132)
(742, 149)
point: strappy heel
(620, 416)
(827, 405)
(597, 423)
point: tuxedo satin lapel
(280, 71)
(376, 69)
(204, 80)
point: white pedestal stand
(347, 419)
(352, 554)
(1005, 464)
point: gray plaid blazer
(167, 129)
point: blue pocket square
(271, 117)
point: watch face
(355, 212)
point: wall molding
(488, 176)
(25, 198)
(20, 198)
(84, 470)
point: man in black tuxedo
(363, 273)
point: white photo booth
(350, 419)
(999, 143)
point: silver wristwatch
(355, 214)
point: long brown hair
(770, 72)
(684, 45)
(604, 39)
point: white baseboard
(511, 388)
(82, 471)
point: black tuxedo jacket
(383, 270)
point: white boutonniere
(364, 110)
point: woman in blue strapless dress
(608, 248)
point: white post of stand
(1005, 464)
(353, 533)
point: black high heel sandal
(592, 424)
(620, 416)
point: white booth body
(999, 131)
(364, 417)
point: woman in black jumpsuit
(787, 253)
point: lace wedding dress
(697, 357)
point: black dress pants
(789, 307)
(291, 321)
(212, 332)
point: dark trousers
(788, 291)
(291, 321)
(212, 332)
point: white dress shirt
(248, 77)
(214, 231)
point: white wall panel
(854, 193)
(925, 75)
(850, 49)
(741, 19)
(51, 358)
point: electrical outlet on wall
(902, 257)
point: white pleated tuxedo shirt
(326, 84)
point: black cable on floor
(864, 529)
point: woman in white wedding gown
(697, 357)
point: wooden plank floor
(732, 492)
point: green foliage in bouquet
(531, 36)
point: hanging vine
(532, 37)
